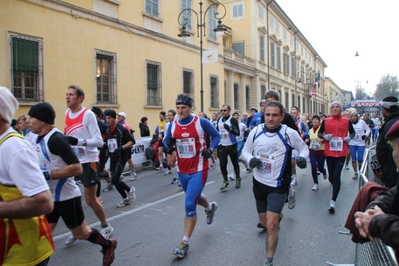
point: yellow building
(126, 55)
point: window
(285, 35)
(106, 77)
(27, 68)
(278, 58)
(152, 7)
(261, 13)
(299, 103)
(262, 91)
(286, 100)
(236, 96)
(293, 67)
(154, 83)
(212, 23)
(277, 28)
(293, 99)
(292, 41)
(304, 104)
(214, 93)
(262, 48)
(272, 55)
(247, 98)
(238, 47)
(186, 15)
(271, 21)
(188, 83)
(286, 64)
(238, 11)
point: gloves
(347, 139)
(327, 137)
(118, 150)
(73, 140)
(206, 153)
(254, 163)
(171, 142)
(301, 162)
(227, 127)
(47, 175)
(364, 137)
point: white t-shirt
(20, 166)
(376, 122)
(361, 128)
(242, 127)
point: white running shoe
(332, 206)
(123, 203)
(132, 194)
(133, 176)
(168, 172)
(294, 182)
(346, 167)
(106, 231)
(70, 240)
(315, 187)
(291, 200)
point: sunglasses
(223, 110)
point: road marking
(58, 237)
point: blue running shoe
(210, 215)
(181, 250)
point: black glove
(364, 137)
(301, 162)
(73, 140)
(254, 162)
(171, 142)
(206, 153)
(226, 126)
(47, 175)
(118, 150)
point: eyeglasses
(223, 110)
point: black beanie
(97, 111)
(43, 112)
(110, 113)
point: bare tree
(388, 86)
(361, 93)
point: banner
(210, 56)
(138, 149)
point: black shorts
(268, 198)
(91, 174)
(70, 211)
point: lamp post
(200, 26)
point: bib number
(336, 144)
(186, 148)
(314, 145)
(112, 145)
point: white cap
(8, 104)
(122, 114)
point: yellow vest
(313, 137)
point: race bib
(314, 145)
(224, 134)
(80, 152)
(336, 144)
(358, 136)
(186, 147)
(112, 145)
(267, 166)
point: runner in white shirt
(377, 124)
(357, 145)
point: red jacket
(338, 126)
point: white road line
(58, 237)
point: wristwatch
(84, 143)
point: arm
(247, 151)
(128, 138)
(298, 144)
(305, 130)
(351, 130)
(91, 124)
(289, 121)
(211, 131)
(167, 135)
(366, 129)
(321, 131)
(235, 130)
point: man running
(82, 130)
(59, 164)
(187, 135)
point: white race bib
(314, 145)
(112, 145)
(186, 147)
(267, 166)
(224, 134)
(80, 152)
(336, 144)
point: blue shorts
(357, 153)
(193, 184)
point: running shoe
(315, 187)
(232, 177)
(109, 252)
(210, 215)
(325, 177)
(106, 231)
(159, 169)
(70, 240)
(261, 226)
(291, 200)
(355, 176)
(294, 181)
(133, 176)
(174, 181)
(132, 194)
(266, 263)
(346, 167)
(225, 185)
(248, 170)
(332, 207)
(238, 182)
(168, 172)
(108, 188)
(123, 203)
(181, 250)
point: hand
(226, 126)
(118, 150)
(327, 137)
(347, 139)
(206, 153)
(301, 162)
(364, 137)
(171, 142)
(47, 175)
(73, 140)
(254, 163)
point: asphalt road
(150, 228)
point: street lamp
(220, 29)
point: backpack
(149, 153)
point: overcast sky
(338, 28)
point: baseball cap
(122, 114)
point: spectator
(161, 123)
(390, 111)
(144, 129)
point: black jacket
(144, 130)
(122, 136)
(384, 152)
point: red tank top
(73, 125)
